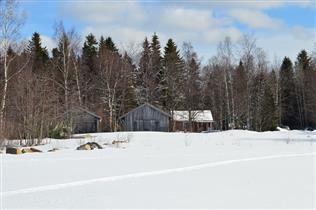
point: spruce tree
(156, 69)
(102, 45)
(268, 110)
(288, 103)
(89, 51)
(191, 90)
(129, 98)
(110, 45)
(190, 77)
(306, 77)
(194, 82)
(39, 54)
(274, 87)
(173, 67)
(257, 101)
(143, 75)
(240, 95)
(88, 73)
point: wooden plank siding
(84, 121)
(145, 118)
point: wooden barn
(145, 118)
(83, 121)
(201, 120)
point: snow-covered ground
(232, 169)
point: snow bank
(231, 169)
(177, 139)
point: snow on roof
(197, 116)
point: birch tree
(247, 49)
(65, 63)
(225, 54)
(110, 76)
(11, 22)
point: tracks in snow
(146, 174)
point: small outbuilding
(201, 120)
(83, 121)
(145, 118)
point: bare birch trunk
(4, 96)
(227, 98)
(77, 82)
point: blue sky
(280, 27)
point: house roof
(146, 104)
(196, 115)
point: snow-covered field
(232, 169)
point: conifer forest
(239, 84)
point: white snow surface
(232, 169)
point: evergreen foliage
(288, 95)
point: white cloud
(48, 42)
(303, 33)
(98, 12)
(216, 35)
(202, 23)
(188, 19)
(248, 4)
(255, 19)
(284, 44)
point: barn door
(138, 125)
(151, 125)
(147, 125)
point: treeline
(238, 84)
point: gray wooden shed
(145, 118)
(83, 121)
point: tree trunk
(77, 82)
(4, 96)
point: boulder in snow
(94, 145)
(35, 150)
(89, 146)
(52, 150)
(30, 150)
(12, 150)
(84, 147)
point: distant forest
(238, 84)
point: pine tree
(172, 76)
(194, 82)
(274, 87)
(240, 95)
(190, 75)
(102, 45)
(288, 103)
(258, 92)
(307, 76)
(89, 51)
(143, 75)
(39, 54)
(129, 98)
(156, 70)
(88, 75)
(268, 110)
(110, 45)
(192, 89)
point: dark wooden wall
(145, 118)
(84, 122)
(196, 126)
